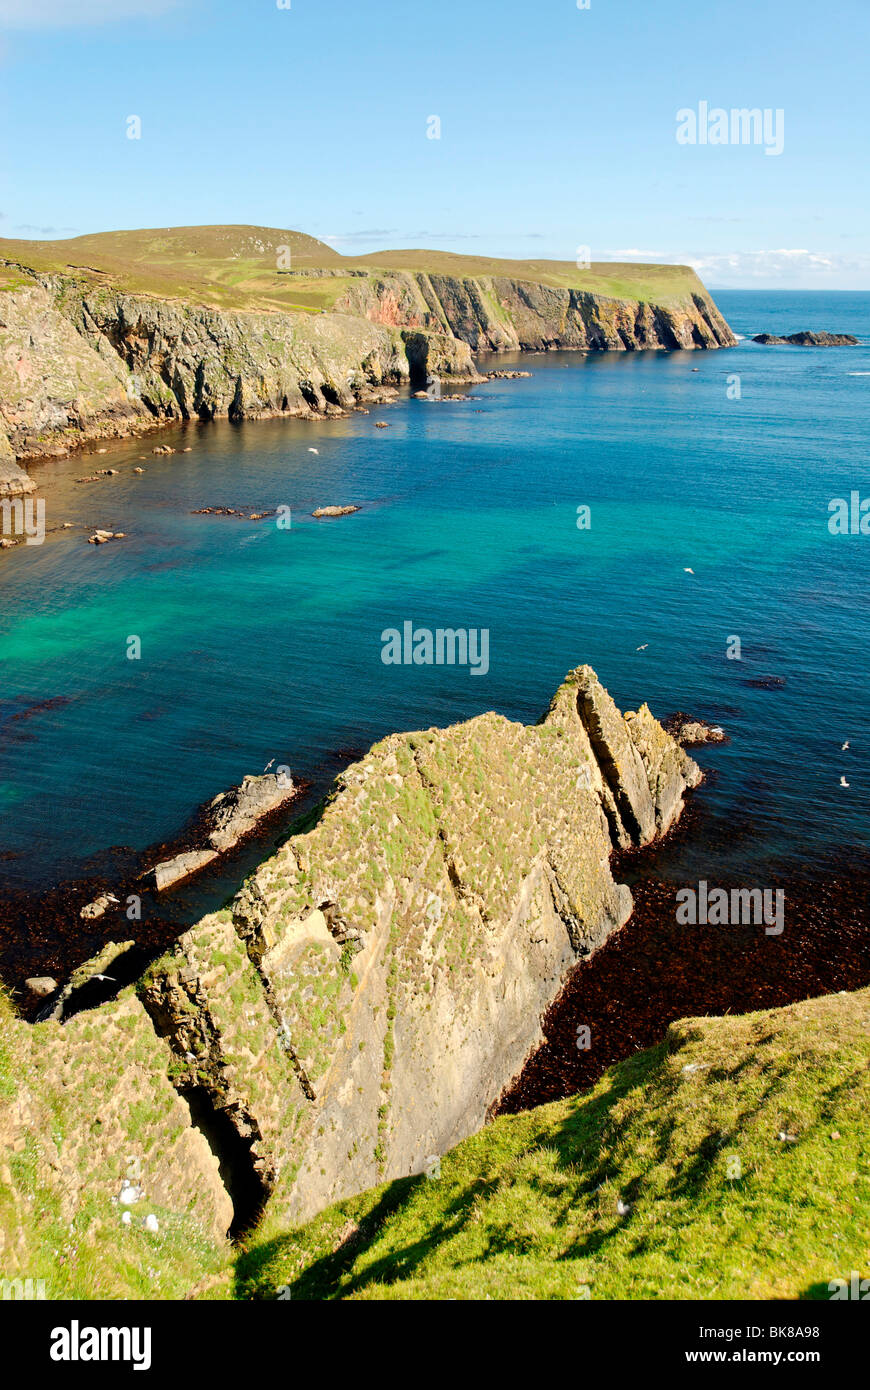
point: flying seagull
(314, 451)
(110, 978)
(642, 648)
(686, 570)
(268, 765)
(843, 782)
(845, 746)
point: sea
(662, 516)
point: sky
(557, 127)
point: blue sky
(558, 126)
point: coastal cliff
(79, 363)
(370, 992)
(497, 313)
(197, 323)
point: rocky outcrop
(690, 732)
(382, 977)
(234, 814)
(808, 339)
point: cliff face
(78, 363)
(497, 314)
(382, 977)
(81, 359)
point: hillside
(738, 1147)
(236, 267)
(117, 333)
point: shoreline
(111, 429)
(37, 940)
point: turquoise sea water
(262, 643)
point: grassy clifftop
(729, 1162)
(237, 267)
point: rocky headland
(362, 1003)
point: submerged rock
(91, 911)
(334, 511)
(690, 732)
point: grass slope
(236, 267)
(528, 1207)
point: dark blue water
(261, 643)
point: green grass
(237, 267)
(719, 1205)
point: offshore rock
(236, 813)
(807, 339)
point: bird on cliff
(843, 782)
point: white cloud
(39, 14)
(790, 268)
(784, 268)
(632, 253)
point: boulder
(91, 911)
(40, 986)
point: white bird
(623, 1208)
(150, 1223)
(845, 746)
(843, 782)
(642, 648)
(314, 451)
(126, 1218)
(686, 570)
(268, 765)
(111, 978)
